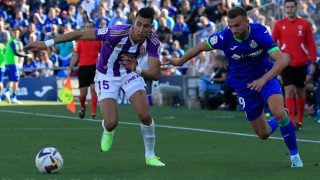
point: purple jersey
(116, 42)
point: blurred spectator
(68, 18)
(176, 49)
(172, 11)
(89, 6)
(29, 68)
(124, 7)
(166, 69)
(194, 19)
(222, 24)
(36, 19)
(101, 17)
(53, 56)
(206, 27)
(79, 16)
(181, 31)
(132, 16)
(185, 10)
(65, 52)
(203, 64)
(246, 5)
(54, 32)
(4, 34)
(169, 20)
(45, 65)
(212, 84)
(117, 19)
(164, 34)
(25, 8)
(51, 20)
(31, 31)
(19, 22)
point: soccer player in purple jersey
(252, 74)
(117, 69)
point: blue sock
(273, 125)
(14, 95)
(7, 89)
(289, 135)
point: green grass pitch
(194, 144)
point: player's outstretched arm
(193, 52)
(154, 71)
(39, 45)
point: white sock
(148, 134)
(104, 128)
(296, 155)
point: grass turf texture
(194, 144)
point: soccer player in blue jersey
(116, 70)
(252, 74)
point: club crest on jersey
(102, 31)
(213, 40)
(253, 44)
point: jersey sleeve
(102, 34)
(266, 41)
(216, 40)
(153, 46)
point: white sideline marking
(162, 126)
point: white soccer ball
(49, 160)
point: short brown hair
(237, 11)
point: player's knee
(278, 114)
(263, 135)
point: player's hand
(172, 61)
(30, 56)
(35, 46)
(257, 84)
(129, 63)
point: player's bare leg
(109, 123)
(287, 129)
(140, 103)
(83, 99)
(94, 102)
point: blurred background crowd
(180, 24)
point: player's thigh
(276, 106)
(134, 88)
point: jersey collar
(240, 40)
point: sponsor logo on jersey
(236, 56)
(102, 31)
(233, 48)
(213, 40)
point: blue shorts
(13, 72)
(253, 102)
(2, 71)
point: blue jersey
(248, 59)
